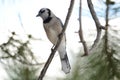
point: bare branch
(53, 50)
(96, 20)
(81, 32)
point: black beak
(38, 15)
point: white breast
(53, 29)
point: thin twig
(53, 50)
(106, 31)
(81, 32)
(96, 20)
(108, 51)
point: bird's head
(44, 13)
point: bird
(53, 27)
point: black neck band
(47, 20)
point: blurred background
(24, 47)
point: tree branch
(96, 20)
(81, 32)
(53, 50)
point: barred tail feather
(63, 56)
(65, 64)
(64, 59)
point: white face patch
(44, 13)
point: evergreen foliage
(18, 71)
(102, 64)
(18, 59)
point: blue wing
(60, 22)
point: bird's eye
(42, 11)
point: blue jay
(53, 27)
